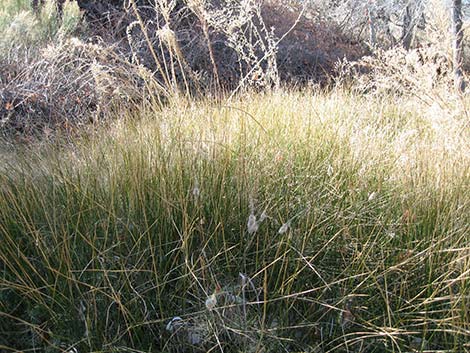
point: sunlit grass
(275, 222)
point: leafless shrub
(70, 84)
(418, 72)
(309, 52)
(192, 43)
(232, 43)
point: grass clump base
(280, 222)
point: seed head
(174, 324)
(211, 302)
(194, 337)
(252, 224)
(329, 171)
(263, 216)
(284, 228)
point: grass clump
(274, 222)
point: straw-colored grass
(280, 222)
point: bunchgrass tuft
(153, 234)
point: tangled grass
(273, 222)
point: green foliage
(71, 17)
(141, 237)
(10, 8)
(23, 30)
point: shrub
(422, 72)
(73, 83)
(23, 30)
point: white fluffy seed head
(252, 224)
(263, 216)
(194, 337)
(329, 171)
(174, 324)
(284, 228)
(211, 302)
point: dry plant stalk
(197, 6)
(149, 42)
